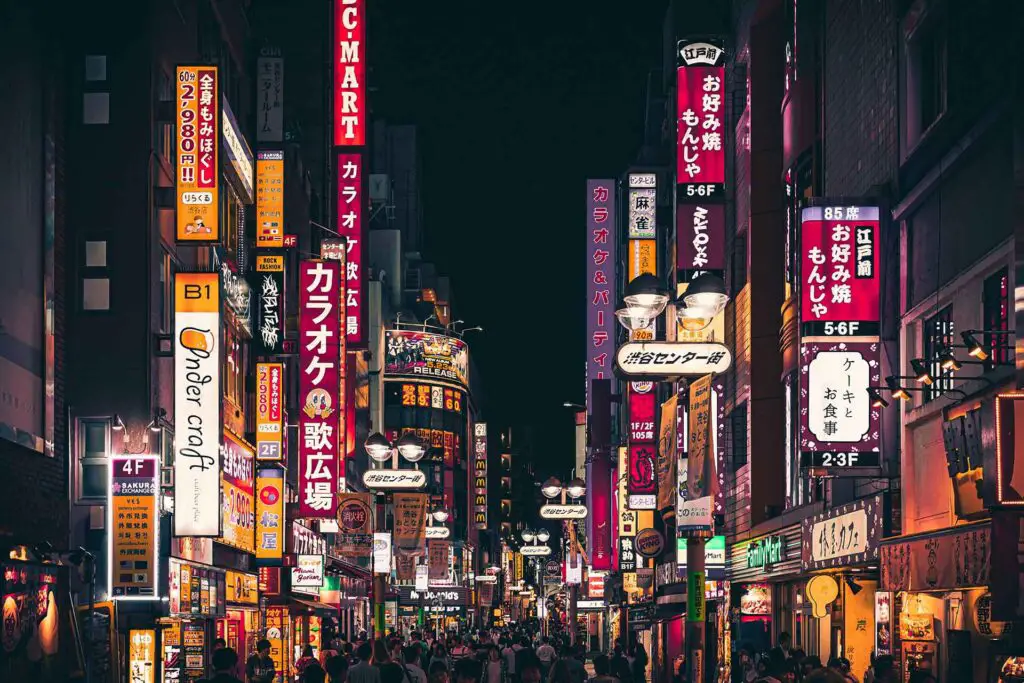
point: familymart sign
(765, 552)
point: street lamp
(543, 535)
(576, 488)
(707, 292)
(645, 297)
(411, 447)
(378, 447)
(440, 515)
(527, 535)
(551, 488)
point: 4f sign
(349, 73)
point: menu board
(172, 659)
(193, 637)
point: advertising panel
(349, 73)
(642, 258)
(269, 513)
(238, 496)
(320, 371)
(437, 564)
(845, 535)
(336, 249)
(601, 260)
(667, 458)
(355, 524)
(269, 289)
(349, 224)
(599, 492)
(700, 240)
(197, 403)
(480, 475)
(425, 355)
(627, 518)
(270, 200)
(269, 415)
(197, 182)
(410, 522)
(308, 571)
(269, 96)
(381, 553)
(238, 152)
(142, 655)
(642, 207)
(700, 106)
(839, 271)
(641, 482)
(700, 467)
(660, 360)
(134, 524)
(839, 428)
(627, 554)
(242, 588)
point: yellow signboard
(242, 588)
(197, 173)
(269, 513)
(142, 655)
(643, 258)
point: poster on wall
(197, 403)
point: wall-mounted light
(894, 387)
(921, 373)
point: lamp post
(377, 446)
(576, 489)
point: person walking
(302, 662)
(494, 667)
(602, 670)
(546, 654)
(363, 671)
(638, 667)
(224, 662)
(415, 673)
(259, 668)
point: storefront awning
(943, 560)
(347, 568)
(320, 608)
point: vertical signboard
(197, 404)
(601, 241)
(627, 517)
(142, 655)
(269, 415)
(410, 531)
(839, 428)
(840, 356)
(237, 482)
(270, 200)
(667, 485)
(839, 271)
(349, 73)
(320, 372)
(335, 249)
(269, 333)
(700, 465)
(349, 224)
(641, 481)
(134, 527)
(480, 475)
(599, 504)
(700, 160)
(269, 96)
(355, 524)
(197, 181)
(700, 108)
(269, 513)
(643, 195)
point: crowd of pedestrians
(521, 657)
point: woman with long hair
(560, 673)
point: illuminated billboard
(700, 108)
(197, 177)
(319, 383)
(269, 411)
(601, 260)
(134, 526)
(349, 225)
(427, 356)
(197, 404)
(480, 475)
(270, 200)
(237, 483)
(349, 73)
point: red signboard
(349, 73)
(700, 133)
(349, 224)
(641, 478)
(839, 271)
(319, 385)
(601, 260)
(599, 485)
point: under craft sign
(672, 359)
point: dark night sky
(515, 111)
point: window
(937, 337)
(926, 73)
(96, 294)
(93, 446)
(96, 254)
(95, 67)
(995, 307)
(95, 108)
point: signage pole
(695, 609)
(379, 587)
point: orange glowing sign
(142, 655)
(270, 200)
(197, 177)
(643, 258)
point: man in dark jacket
(260, 667)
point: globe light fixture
(543, 535)
(378, 447)
(576, 488)
(527, 535)
(627, 318)
(410, 447)
(706, 292)
(551, 488)
(440, 515)
(692, 318)
(645, 297)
